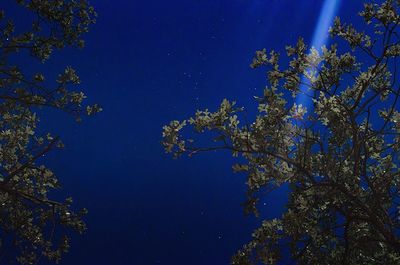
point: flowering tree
(340, 160)
(29, 220)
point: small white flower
(298, 111)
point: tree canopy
(339, 157)
(32, 225)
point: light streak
(320, 38)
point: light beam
(320, 38)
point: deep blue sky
(146, 63)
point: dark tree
(32, 225)
(340, 160)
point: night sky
(146, 63)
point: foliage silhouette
(33, 226)
(340, 160)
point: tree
(32, 225)
(340, 160)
